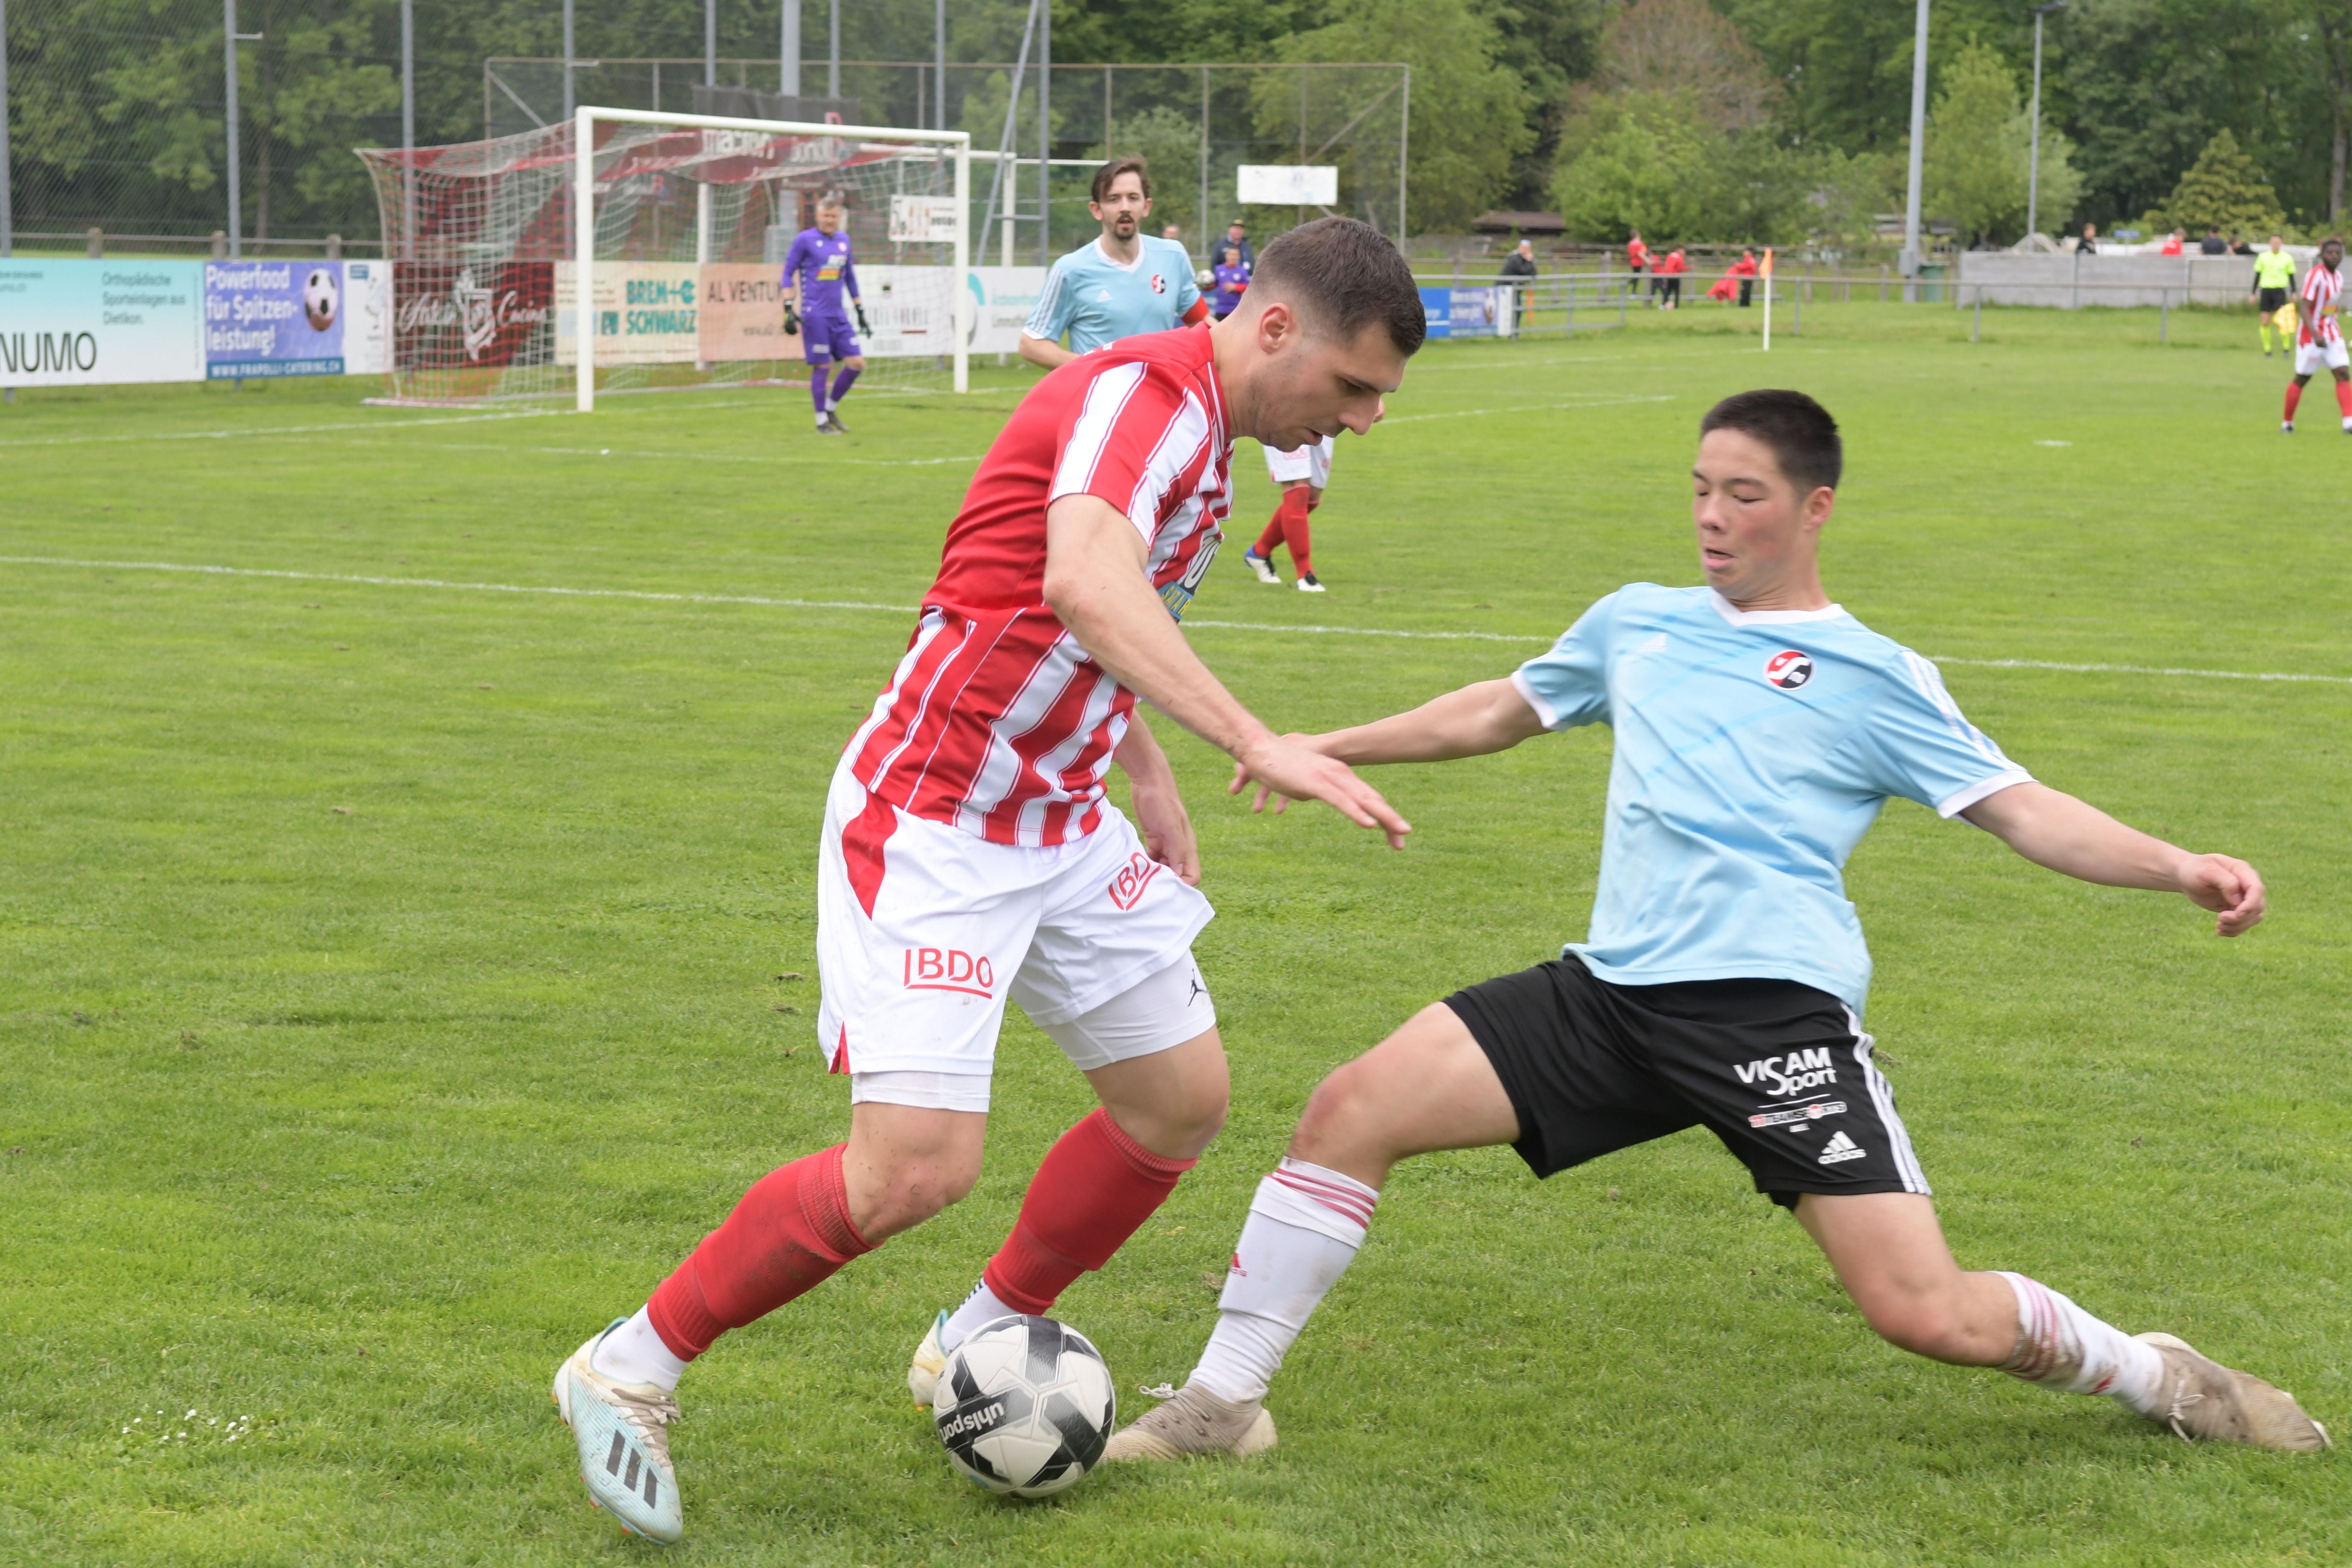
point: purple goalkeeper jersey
(819, 262)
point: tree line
(1719, 120)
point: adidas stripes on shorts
(1780, 1072)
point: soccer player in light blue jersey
(1122, 285)
(1759, 729)
(819, 275)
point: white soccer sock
(981, 1307)
(635, 1353)
(2061, 1346)
(1304, 1227)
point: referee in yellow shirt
(2273, 287)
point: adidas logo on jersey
(1841, 1147)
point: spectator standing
(2171, 244)
(2089, 244)
(1519, 272)
(1670, 272)
(1237, 238)
(1232, 278)
(1637, 261)
(2212, 243)
(1744, 270)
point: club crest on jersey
(1127, 889)
(947, 969)
(1159, 284)
(1789, 670)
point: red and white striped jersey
(997, 722)
(2320, 288)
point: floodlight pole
(235, 195)
(7, 199)
(710, 43)
(2034, 166)
(833, 58)
(570, 102)
(1908, 263)
(938, 62)
(702, 192)
(1044, 132)
(788, 78)
(407, 129)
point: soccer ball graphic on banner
(1024, 1406)
(318, 300)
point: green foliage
(2224, 189)
(1469, 111)
(1980, 151)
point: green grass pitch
(389, 974)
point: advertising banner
(645, 313)
(1437, 308)
(367, 318)
(86, 323)
(910, 308)
(741, 313)
(1002, 299)
(272, 319)
(1472, 312)
(453, 315)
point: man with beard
(1120, 285)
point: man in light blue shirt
(1759, 729)
(1122, 285)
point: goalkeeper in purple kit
(817, 273)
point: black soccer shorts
(2271, 300)
(1779, 1071)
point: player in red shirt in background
(969, 854)
(1637, 260)
(2321, 339)
(1670, 272)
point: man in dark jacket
(1519, 272)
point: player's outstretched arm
(1045, 352)
(1160, 813)
(2051, 828)
(1096, 582)
(1489, 716)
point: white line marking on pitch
(656, 597)
(287, 429)
(795, 459)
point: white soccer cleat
(1194, 1421)
(622, 1430)
(1307, 584)
(1263, 567)
(2203, 1398)
(923, 1371)
(2286, 426)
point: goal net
(677, 253)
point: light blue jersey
(1098, 302)
(1753, 751)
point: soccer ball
(1024, 1406)
(1205, 279)
(318, 300)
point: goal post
(922, 299)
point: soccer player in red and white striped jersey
(969, 854)
(2321, 339)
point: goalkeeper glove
(863, 330)
(791, 321)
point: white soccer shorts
(2310, 357)
(1311, 462)
(923, 931)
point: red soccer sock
(1095, 1189)
(1264, 549)
(790, 1233)
(2344, 397)
(1296, 502)
(2293, 396)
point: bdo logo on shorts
(1789, 670)
(1127, 887)
(947, 969)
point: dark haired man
(969, 853)
(1121, 285)
(1759, 729)
(2320, 340)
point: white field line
(655, 596)
(1531, 408)
(372, 425)
(795, 459)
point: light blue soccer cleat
(623, 1432)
